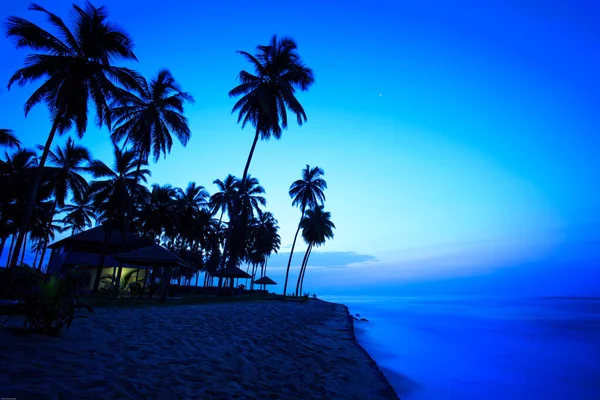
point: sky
(459, 139)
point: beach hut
(152, 256)
(264, 281)
(86, 248)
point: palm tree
(250, 196)
(159, 214)
(224, 199)
(76, 65)
(8, 139)
(247, 202)
(113, 195)
(147, 120)
(266, 96)
(306, 192)
(264, 240)
(71, 162)
(316, 229)
(44, 228)
(79, 214)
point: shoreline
(244, 350)
(350, 320)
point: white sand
(246, 350)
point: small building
(86, 248)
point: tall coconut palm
(71, 161)
(266, 96)
(113, 195)
(147, 119)
(317, 228)
(79, 214)
(224, 199)
(306, 192)
(77, 68)
(8, 139)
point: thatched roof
(151, 256)
(96, 235)
(233, 272)
(265, 280)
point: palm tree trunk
(304, 271)
(10, 250)
(37, 253)
(102, 259)
(197, 276)
(235, 239)
(24, 248)
(2, 243)
(167, 274)
(43, 255)
(33, 194)
(287, 272)
(302, 268)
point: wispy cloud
(328, 259)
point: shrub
(52, 305)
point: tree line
(49, 193)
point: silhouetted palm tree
(270, 91)
(113, 196)
(148, 118)
(250, 196)
(44, 228)
(263, 241)
(70, 161)
(316, 229)
(159, 214)
(77, 69)
(306, 192)
(266, 95)
(79, 214)
(8, 139)
(224, 199)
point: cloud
(328, 259)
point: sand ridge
(245, 350)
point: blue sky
(459, 139)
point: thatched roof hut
(151, 256)
(233, 272)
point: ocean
(458, 348)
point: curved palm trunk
(304, 272)
(10, 250)
(287, 272)
(238, 227)
(24, 248)
(2, 245)
(33, 195)
(37, 253)
(304, 260)
(43, 255)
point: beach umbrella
(265, 280)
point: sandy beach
(242, 350)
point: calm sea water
(475, 348)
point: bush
(52, 305)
